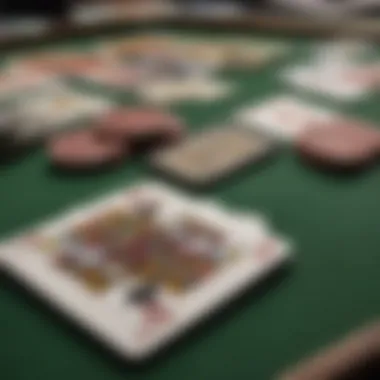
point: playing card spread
(209, 156)
(338, 82)
(138, 268)
(283, 117)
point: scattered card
(343, 50)
(338, 82)
(212, 155)
(50, 111)
(15, 83)
(142, 266)
(283, 117)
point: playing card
(142, 45)
(253, 53)
(113, 76)
(141, 266)
(211, 155)
(177, 90)
(365, 75)
(59, 63)
(338, 82)
(14, 83)
(50, 111)
(341, 51)
(283, 117)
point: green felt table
(332, 288)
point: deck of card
(139, 267)
(212, 155)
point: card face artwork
(142, 265)
(213, 154)
(284, 117)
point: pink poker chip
(84, 149)
(136, 123)
(341, 143)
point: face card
(283, 117)
(339, 83)
(141, 266)
(212, 155)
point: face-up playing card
(283, 117)
(177, 90)
(340, 82)
(211, 155)
(141, 266)
(15, 83)
(343, 50)
(50, 111)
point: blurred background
(40, 18)
(65, 8)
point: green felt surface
(332, 288)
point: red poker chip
(84, 149)
(139, 123)
(344, 144)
